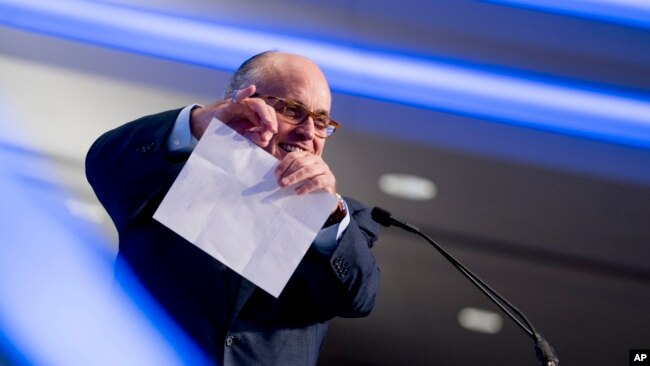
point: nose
(307, 128)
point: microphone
(544, 351)
(385, 218)
(382, 216)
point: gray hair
(250, 72)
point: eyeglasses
(295, 113)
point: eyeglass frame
(331, 122)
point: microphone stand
(544, 351)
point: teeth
(290, 148)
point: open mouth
(290, 148)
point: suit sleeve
(354, 264)
(344, 284)
(130, 169)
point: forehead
(297, 78)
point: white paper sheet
(227, 202)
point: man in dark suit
(281, 102)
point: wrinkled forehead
(299, 79)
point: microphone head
(382, 216)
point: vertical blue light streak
(58, 303)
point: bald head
(280, 72)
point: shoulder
(139, 136)
(151, 125)
(129, 166)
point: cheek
(273, 149)
(284, 129)
(319, 145)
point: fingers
(309, 171)
(243, 93)
(323, 182)
(267, 124)
(251, 117)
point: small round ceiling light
(410, 187)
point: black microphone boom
(544, 351)
(384, 218)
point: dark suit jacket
(234, 322)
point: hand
(308, 170)
(251, 117)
